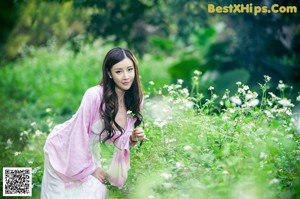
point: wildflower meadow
(241, 144)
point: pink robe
(68, 144)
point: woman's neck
(120, 93)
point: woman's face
(123, 74)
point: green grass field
(239, 145)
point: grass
(226, 146)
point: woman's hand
(100, 174)
(138, 134)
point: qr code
(17, 181)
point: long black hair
(132, 97)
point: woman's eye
(130, 69)
(118, 72)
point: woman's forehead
(125, 63)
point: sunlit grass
(238, 145)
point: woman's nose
(125, 76)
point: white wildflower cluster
(167, 141)
(160, 123)
(286, 102)
(281, 86)
(251, 99)
(244, 96)
(197, 73)
(184, 92)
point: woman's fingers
(139, 134)
(100, 175)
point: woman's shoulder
(95, 91)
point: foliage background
(52, 50)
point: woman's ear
(109, 74)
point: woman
(72, 169)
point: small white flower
(238, 83)
(285, 102)
(170, 140)
(166, 175)
(253, 102)
(211, 88)
(197, 72)
(236, 100)
(224, 96)
(240, 90)
(273, 181)
(151, 196)
(248, 96)
(17, 153)
(231, 110)
(225, 172)
(151, 83)
(288, 112)
(267, 78)
(187, 148)
(38, 132)
(273, 95)
(179, 164)
(185, 91)
(224, 117)
(214, 96)
(298, 98)
(245, 87)
(189, 105)
(35, 170)
(281, 85)
(33, 124)
(171, 87)
(160, 123)
(263, 155)
(130, 113)
(221, 103)
(269, 114)
(180, 81)
(30, 162)
(9, 142)
(48, 110)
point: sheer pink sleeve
(68, 144)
